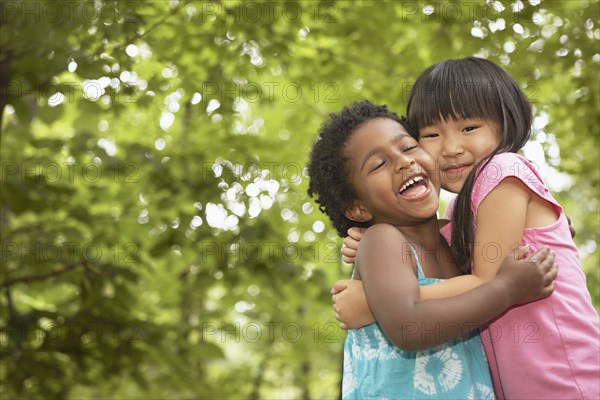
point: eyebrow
(376, 150)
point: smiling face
(390, 174)
(457, 146)
(465, 109)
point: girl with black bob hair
(465, 89)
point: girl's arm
(349, 301)
(501, 221)
(353, 312)
(500, 225)
(392, 291)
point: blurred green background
(157, 239)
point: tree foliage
(156, 235)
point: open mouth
(414, 188)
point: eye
(470, 128)
(379, 165)
(409, 148)
(428, 135)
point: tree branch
(41, 277)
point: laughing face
(392, 176)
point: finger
(552, 274)
(348, 252)
(549, 289)
(521, 251)
(339, 286)
(355, 233)
(571, 228)
(548, 262)
(348, 260)
(539, 255)
(347, 255)
(351, 242)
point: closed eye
(428, 135)
(379, 165)
(409, 148)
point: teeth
(411, 182)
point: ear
(357, 212)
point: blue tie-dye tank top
(376, 369)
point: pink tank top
(549, 349)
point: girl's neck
(425, 235)
(432, 250)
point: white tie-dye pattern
(424, 383)
(357, 351)
(485, 392)
(481, 392)
(349, 378)
(378, 348)
(448, 377)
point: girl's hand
(350, 304)
(529, 279)
(351, 244)
(571, 227)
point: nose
(404, 163)
(452, 146)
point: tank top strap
(420, 273)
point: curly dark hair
(328, 164)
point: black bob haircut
(328, 169)
(470, 88)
